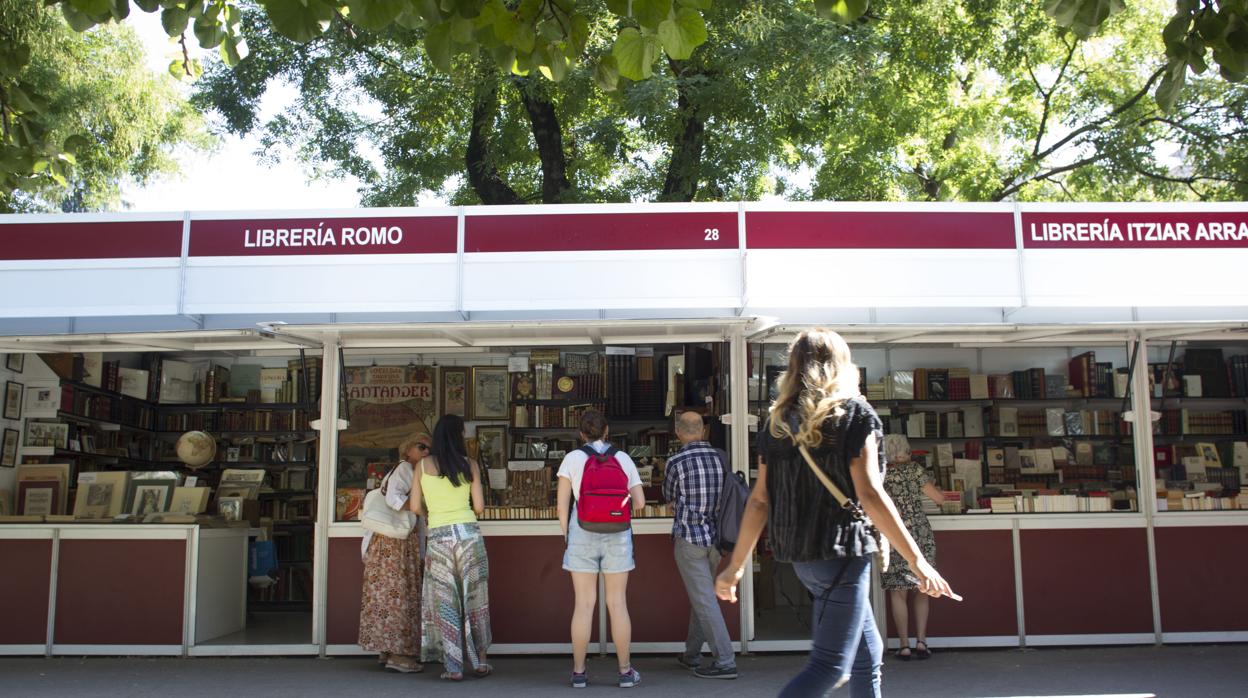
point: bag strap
(823, 477)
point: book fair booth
(196, 403)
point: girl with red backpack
(607, 488)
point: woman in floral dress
(906, 482)
(390, 606)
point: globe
(196, 449)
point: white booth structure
(956, 290)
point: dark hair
(449, 454)
(593, 424)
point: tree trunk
(548, 134)
(685, 166)
(483, 175)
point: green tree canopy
(82, 115)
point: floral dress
(904, 483)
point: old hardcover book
(1007, 421)
(1080, 374)
(979, 387)
(903, 385)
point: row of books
(1198, 422)
(548, 416)
(527, 513)
(1200, 501)
(106, 408)
(294, 419)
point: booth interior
(208, 496)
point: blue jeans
(845, 643)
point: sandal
(904, 657)
(404, 665)
(483, 670)
(448, 676)
(922, 651)
(383, 658)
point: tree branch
(1048, 175)
(684, 168)
(1092, 125)
(483, 175)
(1048, 95)
(548, 135)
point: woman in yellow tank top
(456, 607)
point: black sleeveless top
(805, 522)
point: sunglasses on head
(422, 447)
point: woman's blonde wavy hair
(820, 378)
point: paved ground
(1202, 671)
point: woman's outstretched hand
(930, 581)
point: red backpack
(603, 505)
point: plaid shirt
(692, 483)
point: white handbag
(377, 516)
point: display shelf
(206, 406)
(78, 385)
(284, 432)
(568, 402)
(102, 424)
(277, 494)
(66, 453)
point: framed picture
(489, 392)
(38, 497)
(13, 399)
(147, 495)
(15, 362)
(42, 400)
(522, 386)
(47, 434)
(456, 398)
(492, 446)
(8, 453)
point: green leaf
(555, 66)
(843, 11)
(580, 32)
(1176, 29)
(174, 20)
(1170, 86)
(92, 7)
(695, 4)
(607, 74)
(23, 101)
(14, 58)
(148, 5)
(298, 21)
(119, 9)
(1062, 11)
(504, 56)
(650, 13)
(76, 143)
(233, 50)
(438, 46)
(1187, 6)
(524, 38)
(410, 19)
(635, 54)
(619, 7)
(462, 30)
(208, 32)
(682, 34)
(77, 20)
(375, 14)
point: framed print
(42, 400)
(148, 495)
(522, 386)
(8, 453)
(100, 495)
(47, 434)
(38, 497)
(492, 446)
(489, 392)
(15, 362)
(456, 398)
(13, 400)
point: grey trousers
(698, 566)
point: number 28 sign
(607, 231)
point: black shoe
(714, 672)
(688, 664)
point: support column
(326, 480)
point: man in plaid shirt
(693, 480)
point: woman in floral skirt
(906, 481)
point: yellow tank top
(446, 503)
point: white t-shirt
(573, 466)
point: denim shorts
(591, 552)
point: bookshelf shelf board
(280, 432)
(206, 406)
(1197, 437)
(65, 453)
(278, 494)
(994, 400)
(294, 524)
(1081, 437)
(294, 606)
(103, 424)
(562, 402)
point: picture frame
(149, 495)
(456, 395)
(42, 400)
(15, 362)
(13, 392)
(523, 386)
(100, 495)
(46, 435)
(38, 498)
(490, 388)
(492, 446)
(8, 452)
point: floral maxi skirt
(390, 607)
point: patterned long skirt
(390, 607)
(457, 597)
